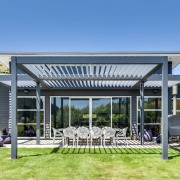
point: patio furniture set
(94, 134)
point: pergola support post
(14, 108)
(164, 121)
(38, 108)
(142, 112)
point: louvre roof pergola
(89, 71)
(90, 75)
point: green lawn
(81, 163)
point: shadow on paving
(173, 152)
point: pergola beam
(158, 77)
(27, 71)
(149, 74)
(20, 77)
(90, 77)
(89, 60)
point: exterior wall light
(26, 90)
(155, 91)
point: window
(26, 116)
(152, 114)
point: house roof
(173, 56)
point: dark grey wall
(4, 107)
(94, 92)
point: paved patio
(31, 143)
(121, 144)
(58, 144)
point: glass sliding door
(101, 112)
(90, 111)
(121, 112)
(79, 112)
(59, 112)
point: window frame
(33, 110)
(147, 110)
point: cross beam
(149, 74)
(93, 59)
(27, 71)
(90, 77)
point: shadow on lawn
(173, 153)
(177, 150)
(107, 150)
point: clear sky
(89, 25)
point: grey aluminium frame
(164, 129)
(91, 59)
(14, 108)
(111, 59)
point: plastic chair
(96, 133)
(82, 133)
(70, 133)
(122, 134)
(57, 133)
(108, 133)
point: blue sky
(89, 25)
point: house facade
(98, 93)
(60, 109)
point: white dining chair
(121, 134)
(82, 133)
(70, 133)
(57, 133)
(108, 133)
(96, 133)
